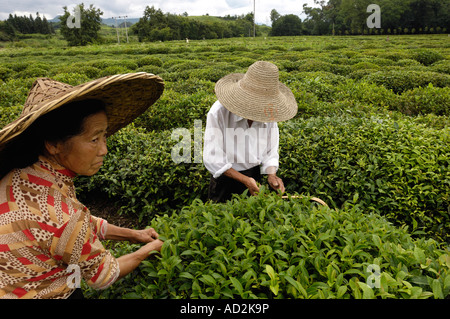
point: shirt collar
(237, 118)
(55, 168)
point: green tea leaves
(296, 251)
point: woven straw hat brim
(126, 96)
(255, 106)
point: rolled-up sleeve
(99, 227)
(77, 243)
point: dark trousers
(77, 294)
(222, 188)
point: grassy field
(371, 138)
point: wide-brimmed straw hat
(257, 95)
(126, 96)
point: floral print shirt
(47, 237)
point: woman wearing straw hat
(241, 135)
(48, 239)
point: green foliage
(442, 66)
(141, 177)
(287, 25)
(90, 25)
(9, 114)
(312, 65)
(427, 57)
(167, 116)
(398, 17)
(396, 168)
(400, 81)
(34, 71)
(158, 26)
(149, 60)
(27, 25)
(4, 72)
(425, 100)
(267, 247)
(370, 138)
(14, 92)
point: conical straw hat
(126, 96)
(257, 95)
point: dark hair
(56, 126)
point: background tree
(316, 22)
(350, 16)
(28, 25)
(156, 25)
(287, 25)
(354, 13)
(274, 15)
(90, 25)
(7, 32)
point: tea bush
(267, 247)
(149, 60)
(191, 86)
(141, 177)
(442, 66)
(71, 78)
(407, 62)
(396, 168)
(14, 91)
(312, 65)
(400, 81)
(427, 57)
(167, 114)
(425, 100)
(364, 66)
(9, 114)
(340, 95)
(81, 68)
(350, 144)
(5, 73)
(113, 70)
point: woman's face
(83, 154)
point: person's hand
(147, 235)
(129, 262)
(276, 183)
(155, 245)
(252, 186)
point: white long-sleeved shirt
(229, 142)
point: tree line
(337, 17)
(156, 25)
(343, 17)
(25, 25)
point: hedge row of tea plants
(316, 93)
(398, 66)
(397, 168)
(267, 247)
(141, 177)
(370, 138)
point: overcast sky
(135, 8)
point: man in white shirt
(241, 137)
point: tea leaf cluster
(268, 247)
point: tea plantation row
(398, 168)
(267, 247)
(371, 138)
